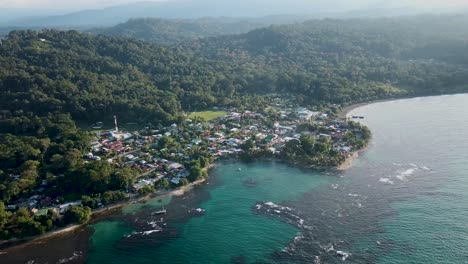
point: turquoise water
(228, 229)
(404, 201)
(430, 220)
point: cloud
(87, 4)
(64, 4)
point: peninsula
(148, 160)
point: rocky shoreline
(347, 164)
(96, 214)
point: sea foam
(403, 176)
(386, 180)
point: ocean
(405, 200)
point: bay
(405, 200)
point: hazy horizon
(324, 5)
(91, 13)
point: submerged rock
(250, 183)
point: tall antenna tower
(115, 122)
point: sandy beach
(346, 110)
(348, 163)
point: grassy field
(208, 115)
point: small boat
(239, 169)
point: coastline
(12, 243)
(347, 164)
(347, 109)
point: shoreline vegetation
(7, 244)
(52, 173)
(348, 108)
(115, 165)
(344, 165)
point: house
(63, 207)
(175, 180)
(130, 157)
(12, 207)
(120, 136)
(268, 139)
(117, 145)
(175, 166)
(95, 144)
(42, 212)
(183, 174)
(143, 183)
(324, 136)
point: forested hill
(95, 77)
(318, 62)
(171, 31)
(51, 79)
(441, 37)
(397, 38)
(348, 60)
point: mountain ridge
(196, 9)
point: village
(163, 154)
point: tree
(4, 217)
(292, 149)
(195, 172)
(203, 162)
(184, 182)
(122, 179)
(248, 145)
(165, 183)
(307, 143)
(322, 147)
(77, 214)
(111, 197)
(91, 202)
(146, 190)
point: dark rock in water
(250, 183)
(283, 212)
(197, 212)
(239, 260)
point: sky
(350, 4)
(66, 4)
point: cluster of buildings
(221, 138)
(273, 130)
(160, 154)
